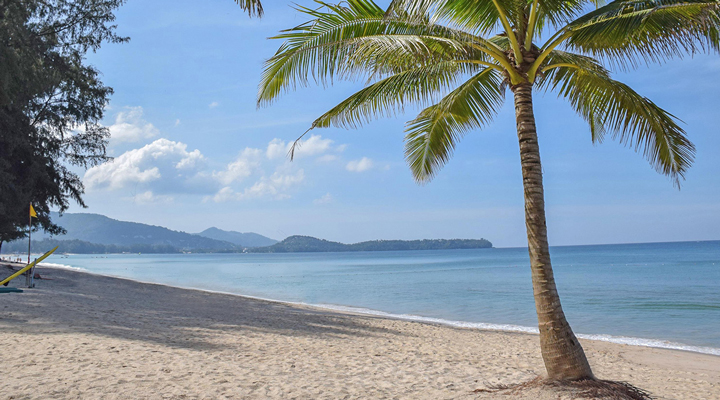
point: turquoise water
(660, 294)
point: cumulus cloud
(162, 158)
(243, 166)
(360, 165)
(314, 145)
(224, 194)
(164, 167)
(130, 126)
(253, 162)
(274, 187)
(213, 104)
(276, 149)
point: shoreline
(84, 335)
(485, 326)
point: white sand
(82, 336)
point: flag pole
(29, 273)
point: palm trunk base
(585, 389)
(563, 355)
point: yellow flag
(32, 211)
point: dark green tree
(51, 102)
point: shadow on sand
(79, 302)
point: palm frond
(626, 32)
(480, 17)
(253, 7)
(613, 108)
(432, 136)
(557, 13)
(389, 96)
(501, 41)
(354, 41)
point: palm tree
(457, 58)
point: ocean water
(658, 294)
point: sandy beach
(83, 336)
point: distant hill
(248, 239)
(99, 229)
(98, 234)
(299, 244)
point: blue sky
(192, 150)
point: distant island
(98, 234)
(308, 244)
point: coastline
(84, 335)
(624, 340)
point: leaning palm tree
(457, 58)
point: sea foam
(62, 266)
(632, 341)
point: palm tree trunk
(564, 357)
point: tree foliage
(456, 58)
(51, 102)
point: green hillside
(99, 229)
(299, 244)
(248, 239)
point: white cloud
(283, 181)
(223, 195)
(243, 166)
(177, 122)
(160, 159)
(274, 187)
(325, 199)
(189, 160)
(213, 104)
(253, 162)
(314, 145)
(149, 198)
(360, 165)
(277, 149)
(129, 126)
(165, 167)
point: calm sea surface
(659, 294)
